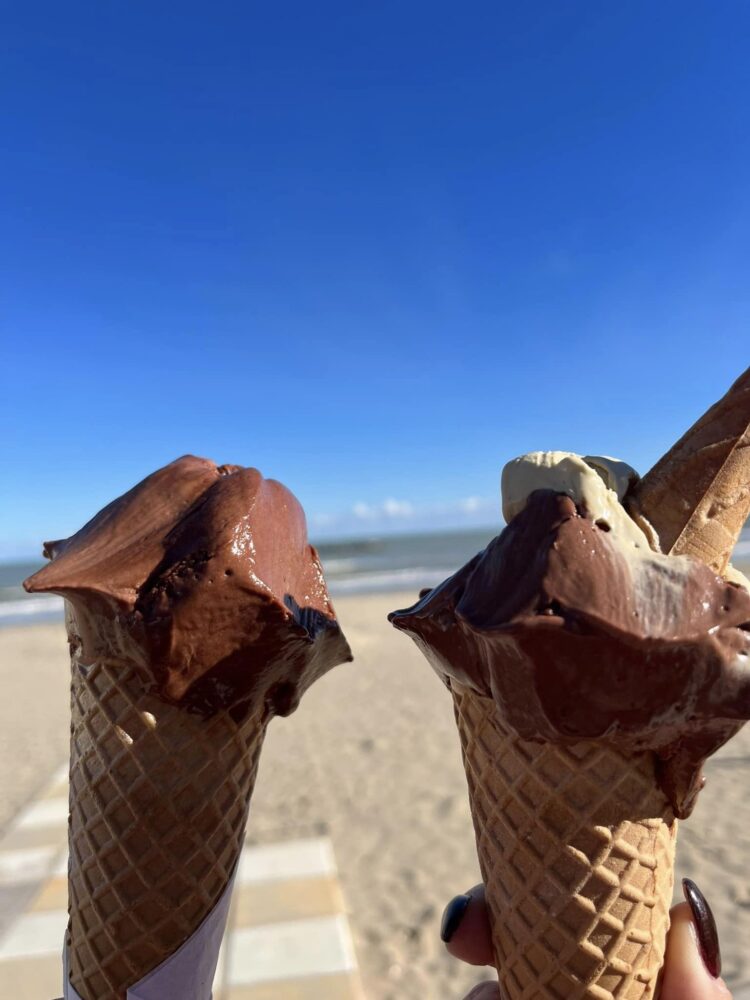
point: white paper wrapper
(186, 975)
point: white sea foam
(406, 579)
(31, 609)
(340, 567)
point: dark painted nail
(705, 925)
(452, 916)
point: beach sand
(372, 758)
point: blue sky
(375, 250)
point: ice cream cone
(158, 804)
(576, 843)
(697, 497)
(196, 610)
(576, 847)
(546, 634)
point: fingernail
(705, 925)
(452, 916)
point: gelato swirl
(579, 630)
(202, 577)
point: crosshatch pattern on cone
(158, 805)
(576, 846)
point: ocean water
(358, 566)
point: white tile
(289, 950)
(61, 866)
(34, 935)
(28, 864)
(44, 812)
(60, 776)
(287, 860)
(221, 968)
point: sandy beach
(372, 759)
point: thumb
(693, 962)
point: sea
(355, 566)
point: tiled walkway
(287, 939)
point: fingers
(466, 928)
(693, 962)
(466, 932)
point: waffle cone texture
(576, 846)
(159, 799)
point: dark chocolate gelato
(201, 576)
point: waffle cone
(697, 496)
(158, 803)
(576, 847)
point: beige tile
(290, 899)
(52, 836)
(310, 857)
(52, 896)
(35, 936)
(58, 791)
(14, 900)
(345, 986)
(44, 814)
(31, 978)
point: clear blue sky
(375, 250)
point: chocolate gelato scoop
(201, 576)
(579, 631)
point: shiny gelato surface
(201, 576)
(579, 630)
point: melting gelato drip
(202, 577)
(579, 630)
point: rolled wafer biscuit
(697, 497)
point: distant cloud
(388, 508)
(394, 514)
(363, 511)
(397, 508)
(322, 519)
